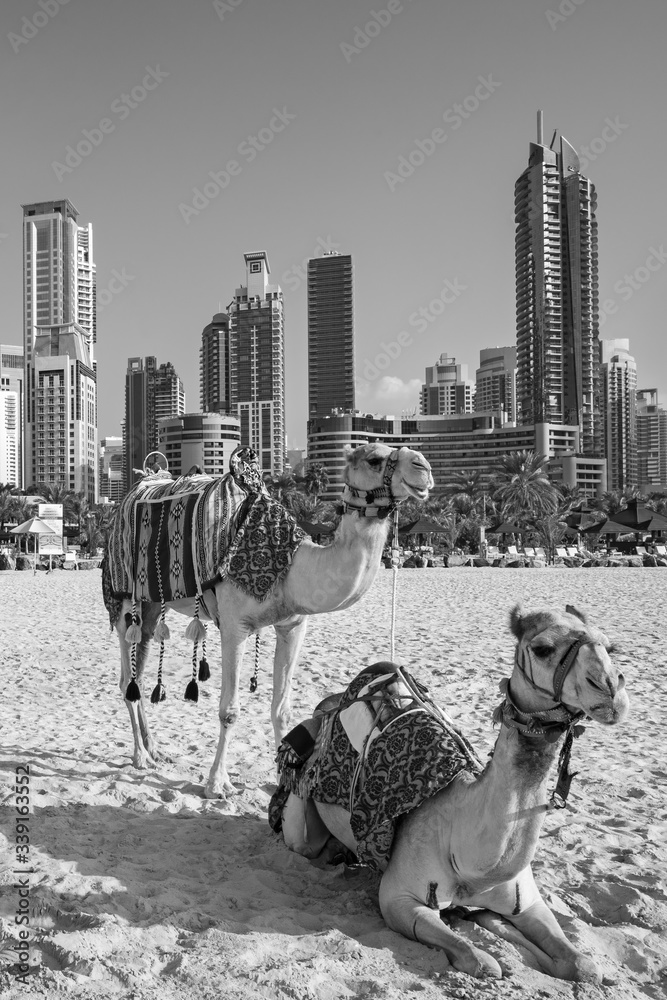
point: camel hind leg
(145, 750)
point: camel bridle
(370, 506)
(550, 723)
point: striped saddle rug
(382, 751)
(173, 539)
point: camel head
(369, 468)
(561, 655)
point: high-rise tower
(60, 410)
(447, 389)
(556, 293)
(618, 379)
(495, 381)
(330, 334)
(152, 392)
(215, 366)
(257, 375)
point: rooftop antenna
(540, 128)
(553, 139)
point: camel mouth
(610, 713)
(419, 492)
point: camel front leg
(289, 640)
(218, 785)
(145, 750)
(517, 913)
(413, 919)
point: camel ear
(349, 462)
(577, 614)
(517, 625)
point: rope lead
(394, 569)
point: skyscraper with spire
(556, 255)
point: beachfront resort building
(495, 381)
(651, 442)
(257, 366)
(466, 442)
(556, 259)
(618, 382)
(152, 392)
(11, 407)
(202, 440)
(446, 390)
(59, 332)
(215, 389)
(330, 333)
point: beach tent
(34, 526)
(508, 528)
(608, 527)
(423, 526)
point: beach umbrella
(638, 517)
(423, 526)
(508, 528)
(608, 527)
(34, 526)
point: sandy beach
(139, 887)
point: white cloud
(391, 394)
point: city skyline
(401, 148)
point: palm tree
(522, 487)
(316, 480)
(551, 531)
(56, 493)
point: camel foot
(219, 789)
(478, 964)
(142, 759)
(159, 756)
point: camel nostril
(597, 685)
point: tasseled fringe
(192, 690)
(204, 669)
(133, 631)
(161, 631)
(133, 693)
(253, 679)
(196, 630)
(159, 692)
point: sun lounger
(540, 553)
(572, 551)
(640, 550)
(561, 552)
(512, 550)
(661, 550)
(529, 551)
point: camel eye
(611, 649)
(375, 462)
(542, 651)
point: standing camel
(319, 579)
(471, 842)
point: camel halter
(370, 507)
(549, 723)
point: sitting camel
(448, 833)
(318, 579)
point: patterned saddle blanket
(173, 539)
(380, 753)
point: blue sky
(315, 110)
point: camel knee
(282, 716)
(229, 716)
